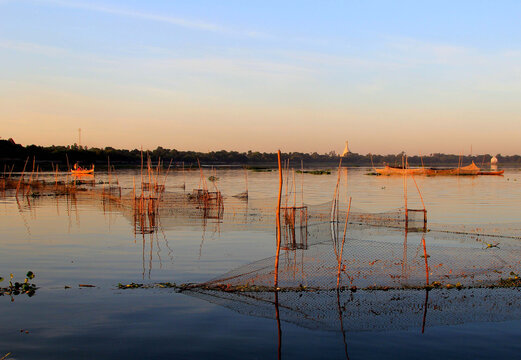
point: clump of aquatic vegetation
(19, 288)
(315, 172)
(216, 287)
(259, 169)
(512, 281)
(147, 286)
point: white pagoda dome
(346, 150)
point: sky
(388, 76)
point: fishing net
(390, 278)
(392, 249)
(382, 258)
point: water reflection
(246, 233)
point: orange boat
(471, 169)
(390, 170)
(500, 172)
(78, 170)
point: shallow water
(87, 241)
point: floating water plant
(512, 281)
(314, 172)
(18, 288)
(259, 169)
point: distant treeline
(12, 153)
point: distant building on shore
(346, 150)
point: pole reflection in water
(279, 328)
(341, 319)
(425, 305)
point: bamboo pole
(246, 179)
(419, 192)
(286, 169)
(342, 247)
(405, 191)
(10, 172)
(426, 261)
(141, 185)
(21, 177)
(32, 171)
(167, 172)
(302, 182)
(334, 204)
(158, 170)
(276, 278)
(134, 192)
(294, 191)
(149, 170)
(184, 176)
(115, 175)
(108, 165)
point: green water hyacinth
(19, 288)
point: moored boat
(390, 170)
(471, 169)
(500, 172)
(78, 170)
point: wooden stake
(276, 279)
(141, 171)
(334, 204)
(426, 261)
(21, 177)
(405, 191)
(342, 247)
(301, 182)
(294, 191)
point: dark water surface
(69, 243)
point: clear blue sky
(388, 76)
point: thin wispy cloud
(33, 48)
(53, 51)
(168, 19)
(419, 51)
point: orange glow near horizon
(148, 77)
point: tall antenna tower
(79, 137)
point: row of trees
(11, 152)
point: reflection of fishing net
(373, 310)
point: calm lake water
(86, 241)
